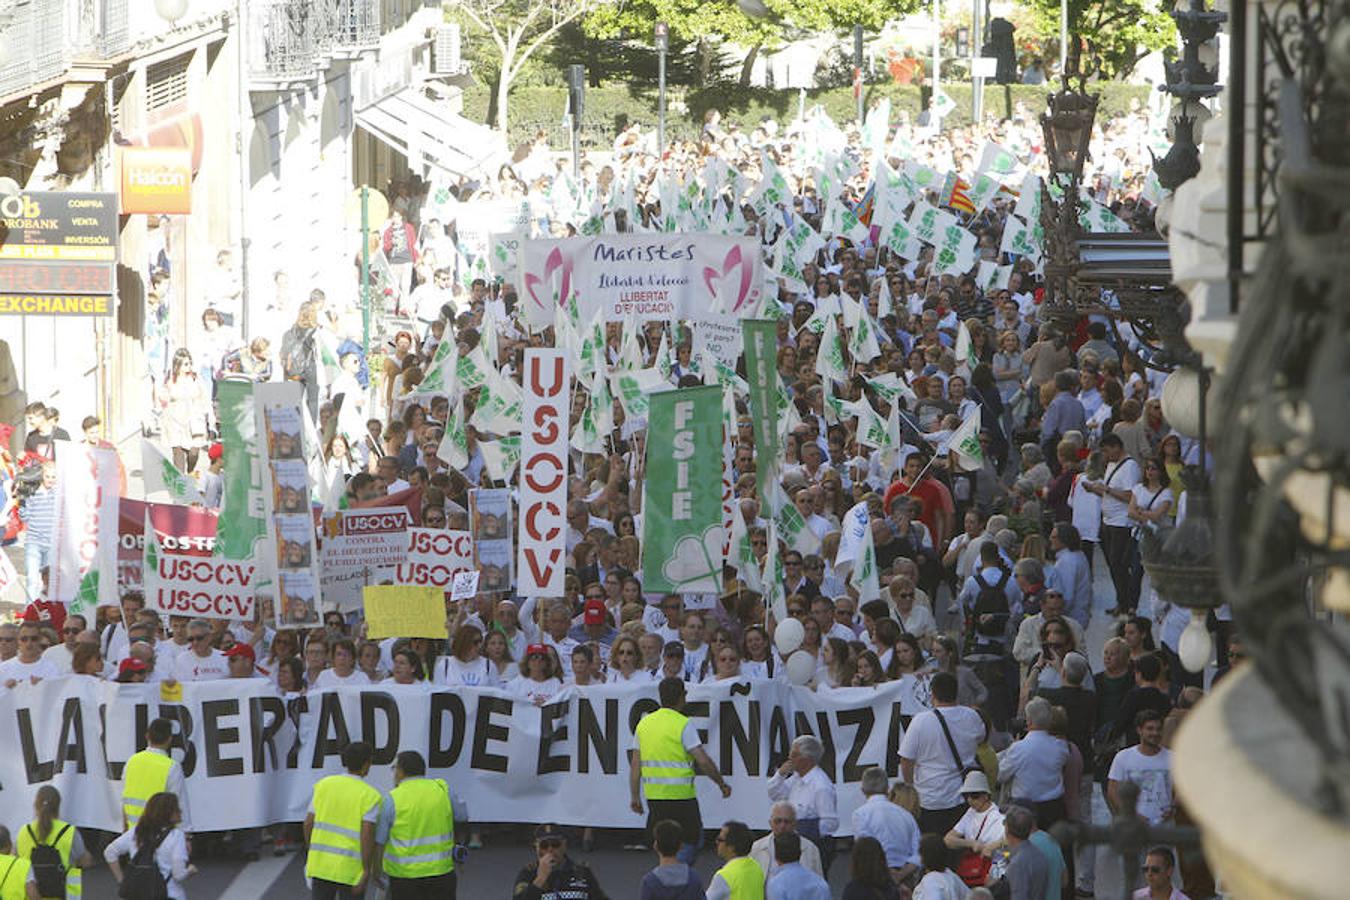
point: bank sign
(57, 252)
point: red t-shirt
(934, 496)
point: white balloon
(788, 636)
(801, 667)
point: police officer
(663, 767)
(554, 875)
(151, 771)
(340, 828)
(417, 833)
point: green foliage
(1115, 34)
(611, 107)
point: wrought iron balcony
(40, 39)
(285, 40)
(354, 24)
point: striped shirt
(39, 516)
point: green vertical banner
(241, 512)
(761, 364)
(682, 532)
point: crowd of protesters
(986, 572)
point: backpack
(48, 870)
(142, 879)
(991, 599)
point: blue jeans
(36, 556)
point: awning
(427, 133)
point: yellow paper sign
(404, 611)
(170, 692)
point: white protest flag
(597, 419)
(663, 362)
(741, 555)
(982, 190)
(84, 533)
(472, 370)
(872, 430)
(1029, 198)
(965, 347)
(885, 304)
(162, 476)
(772, 577)
(792, 525)
(864, 578)
(862, 341)
(1094, 217)
(500, 458)
(488, 336)
(497, 412)
(440, 377)
(630, 350)
(830, 357)
(965, 443)
(956, 251)
(996, 159)
(992, 276)
(10, 582)
(851, 531)
(889, 385)
(1021, 239)
(454, 446)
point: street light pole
(858, 70)
(937, 63)
(365, 270)
(662, 45)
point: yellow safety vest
(667, 769)
(340, 803)
(422, 838)
(28, 840)
(744, 877)
(13, 877)
(146, 774)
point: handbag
(973, 868)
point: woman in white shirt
(759, 661)
(465, 665)
(157, 826)
(344, 669)
(368, 661)
(625, 663)
(1151, 499)
(497, 651)
(726, 665)
(915, 618)
(539, 683)
(836, 665)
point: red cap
(594, 612)
(241, 650)
(536, 648)
(131, 664)
(214, 452)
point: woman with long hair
(970, 691)
(300, 353)
(497, 652)
(836, 664)
(906, 657)
(1137, 632)
(868, 671)
(758, 659)
(48, 829)
(338, 461)
(284, 645)
(869, 876)
(186, 422)
(157, 827)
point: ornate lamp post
(1067, 124)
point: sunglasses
(30, 639)
(1152, 870)
(550, 844)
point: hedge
(609, 108)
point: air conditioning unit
(447, 59)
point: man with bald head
(782, 820)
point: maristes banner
(682, 530)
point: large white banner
(85, 536)
(542, 543)
(652, 276)
(358, 543)
(433, 559)
(251, 757)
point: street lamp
(1067, 123)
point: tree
(518, 29)
(708, 23)
(1108, 38)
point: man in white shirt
(1148, 766)
(928, 762)
(29, 665)
(203, 662)
(61, 655)
(114, 639)
(782, 820)
(1118, 544)
(891, 824)
(801, 782)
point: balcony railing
(40, 39)
(290, 38)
